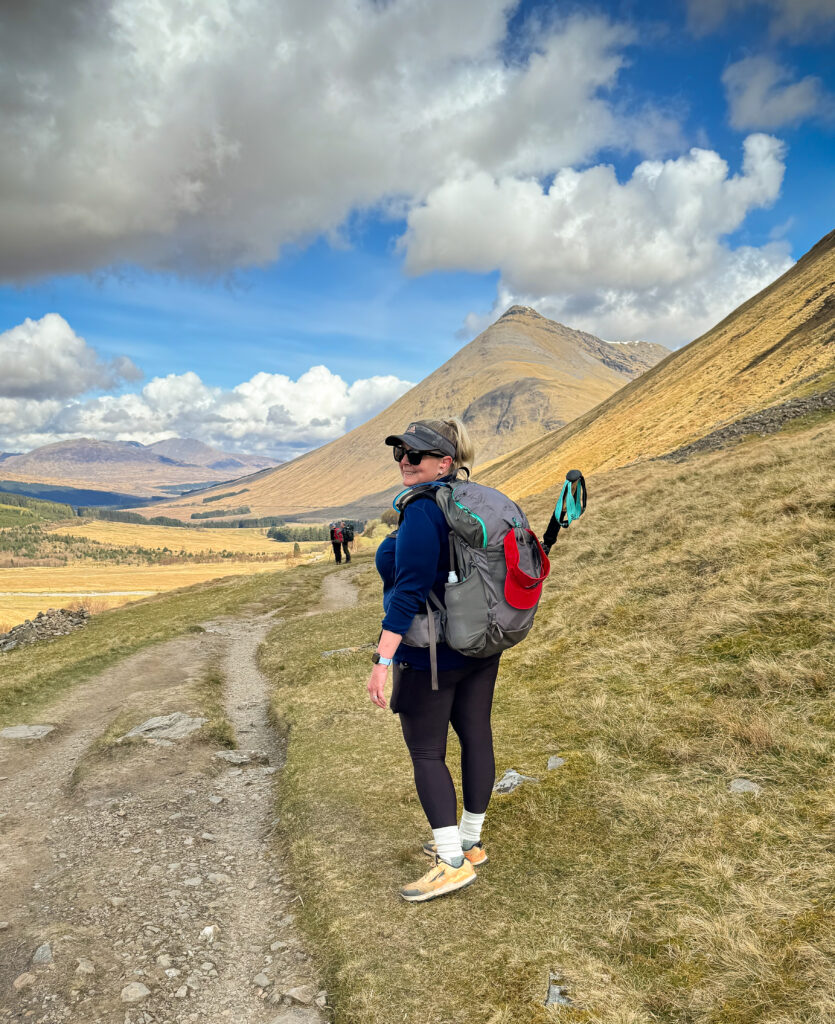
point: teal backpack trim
(474, 516)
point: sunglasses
(414, 458)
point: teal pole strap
(573, 509)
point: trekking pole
(570, 505)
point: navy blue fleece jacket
(411, 563)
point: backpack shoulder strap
(411, 494)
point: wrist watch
(379, 660)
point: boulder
(176, 726)
(26, 732)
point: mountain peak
(527, 311)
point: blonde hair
(464, 448)
(455, 432)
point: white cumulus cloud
(642, 258)
(761, 94)
(206, 136)
(789, 19)
(42, 359)
(270, 414)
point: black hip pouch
(397, 670)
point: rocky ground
(766, 421)
(44, 626)
(140, 885)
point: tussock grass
(208, 693)
(685, 639)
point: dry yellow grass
(685, 639)
(248, 541)
(60, 586)
(15, 609)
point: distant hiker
(347, 538)
(414, 563)
(336, 541)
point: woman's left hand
(377, 684)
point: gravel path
(148, 875)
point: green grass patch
(208, 693)
(684, 641)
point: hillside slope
(522, 376)
(675, 864)
(776, 346)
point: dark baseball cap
(426, 436)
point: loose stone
(511, 780)
(43, 954)
(135, 992)
(261, 981)
(744, 786)
(85, 967)
(302, 994)
(555, 762)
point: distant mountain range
(160, 469)
(523, 376)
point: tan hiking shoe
(476, 855)
(440, 879)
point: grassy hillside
(685, 640)
(779, 344)
(17, 510)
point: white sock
(470, 828)
(448, 845)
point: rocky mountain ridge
(776, 347)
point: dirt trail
(120, 865)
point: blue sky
(365, 192)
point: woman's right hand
(377, 684)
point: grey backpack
(497, 568)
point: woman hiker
(336, 542)
(411, 563)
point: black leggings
(464, 699)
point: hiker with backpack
(347, 538)
(336, 541)
(443, 632)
